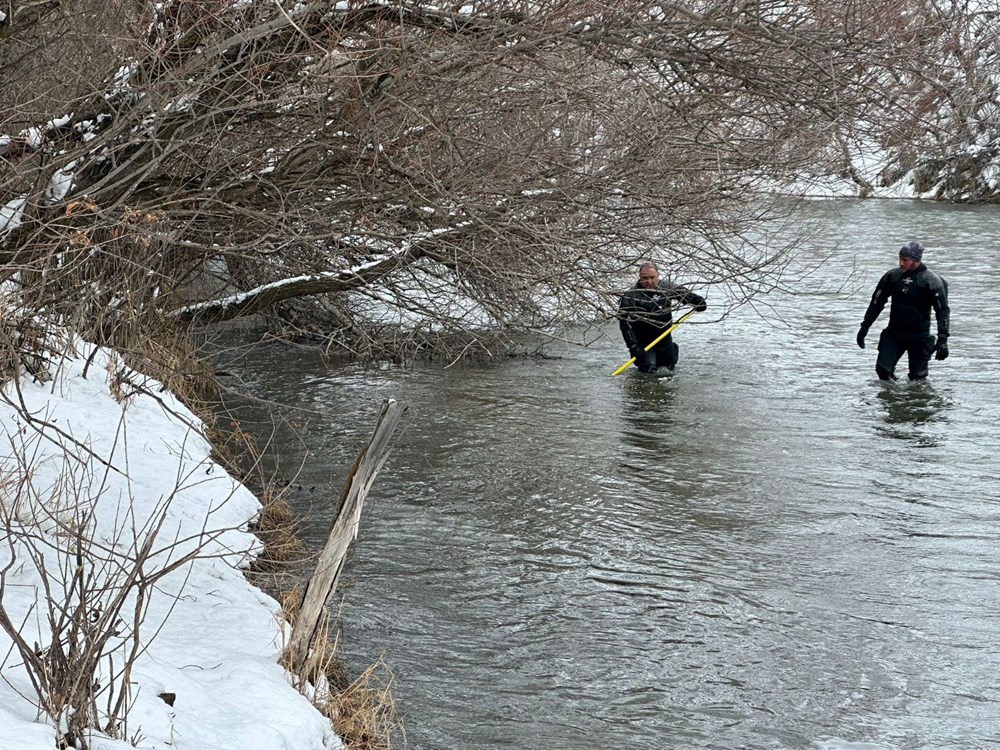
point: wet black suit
(914, 293)
(643, 314)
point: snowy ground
(75, 457)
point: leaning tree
(402, 172)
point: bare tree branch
(547, 146)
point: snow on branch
(267, 295)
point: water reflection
(910, 410)
(648, 404)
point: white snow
(116, 460)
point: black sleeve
(941, 310)
(625, 324)
(879, 297)
(685, 296)
(695, 300)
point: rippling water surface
(769, 549)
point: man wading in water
(645, 312)
(914, 290)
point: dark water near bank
(769, 549)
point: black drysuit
(914, 293)
(643, 314)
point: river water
(768, 549)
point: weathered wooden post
(343, 531)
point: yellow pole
(656, 341)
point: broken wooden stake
(343, 531)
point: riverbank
(128, 620)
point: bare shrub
(91, 609)
(96, 562)
(27, 344)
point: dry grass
(236, 450)
(170, 357)
(277, 527)
(291, 602)
(362, 711)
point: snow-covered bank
(95, 464)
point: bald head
(649, 275)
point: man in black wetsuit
(645, 312)
(915, 290)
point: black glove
(861, 335)
(701, 306)
(636, 351)
(941, 352)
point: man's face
(908, 264)
(649, 277)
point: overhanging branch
(267, 295)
